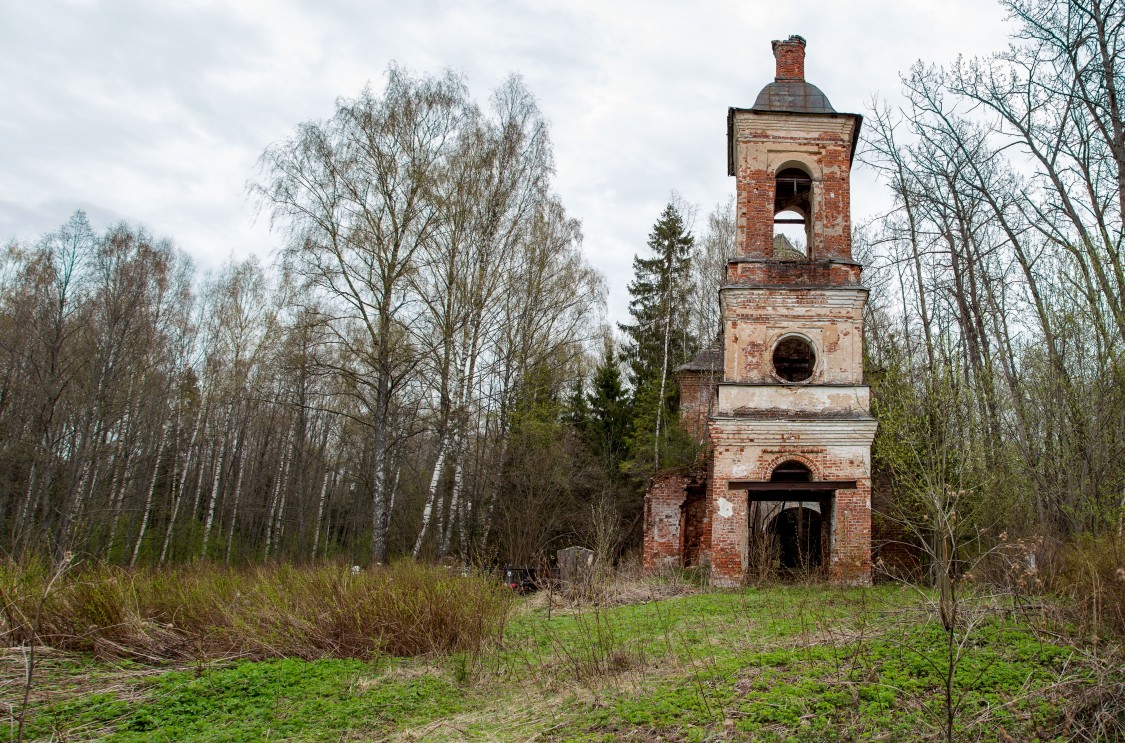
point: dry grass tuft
(613, 590)
(207, 610)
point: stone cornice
(855, 431)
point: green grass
(788, 663)
(281, 700)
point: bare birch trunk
(237, 499)
(216, 481)
(280, 525)
(394, 489)
(214, 499)
(151, 490)
(454, 505)
(27, 508)
(283, 473)
(200, 423)
(380, 508)
(663, 363)
(435, 479)
(179, 499)
(320, 510)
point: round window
(794, 359)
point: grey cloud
(157, 112)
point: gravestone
(576, 564)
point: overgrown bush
(207, 610)
(1091, 574)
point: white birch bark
(237, 499)
(216, 481)
(394, 489)
(663, 364)
(179, 499)
(151, 490)
(283, 472)
(435, 478)
(214, 499)
(200, 424)
(454, 504)
(328, 472)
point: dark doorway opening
(790, 471)
(692, 514)
(798, 537)
(789, 517)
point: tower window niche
(792, 210)
(794, 358)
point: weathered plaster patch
(726, 508)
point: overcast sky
(155, 112)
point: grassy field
(790, 663)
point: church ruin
(780, 399)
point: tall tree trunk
(147, 511)
(435, 479)
(179, 499)
(283, 473)
(200, 424)
(213, 500)
(237, 500)
(320, 511)
(454, 504)
(217, 480)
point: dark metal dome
(793, 95)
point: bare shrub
(1090, 573)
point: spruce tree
(659, 336)
(609, 418)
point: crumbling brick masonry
(779, 399)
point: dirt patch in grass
(613, 593)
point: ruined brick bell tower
(788, 419)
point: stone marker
(576, 564)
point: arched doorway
(797, 531)
(789, 518)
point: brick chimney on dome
(790, 56)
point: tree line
(361, 397)
(995, 332)
(426, 370)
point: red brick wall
(744, 451)
(663, 528)
(695, 511)
(790, 58)
(831, 218)
(730, 533)
(793, 273)
(677, 527)
(754, 319)
(697, 395)
(851, 535)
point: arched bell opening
(797, 531)
(793, 211)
